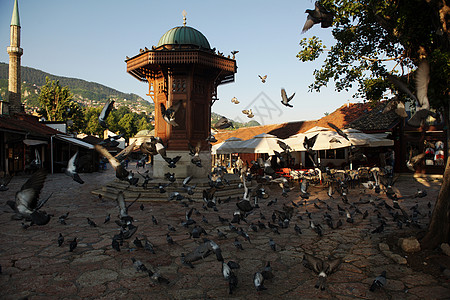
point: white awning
(30, 142)
(75, 141)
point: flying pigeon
(248, 112)
(27, 202)
(316, 16)
(121, 172)
(340, 132)
(172, 162)
(235, 100)
(285, 99)
(321, 267)
(223, 123)
(105, 113)
(397, 106)
(422, 79)
(169, 113)
(72, 167)
(263, 78)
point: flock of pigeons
(27, 206)
(28, 203)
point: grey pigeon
(318, 16)
(285, 99)
(107, 108)
(321, 267)
(378, 282)
(169, 113)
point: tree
(57, 105)
(377, 38)
(54, 100)
(128, 123)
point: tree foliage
(375, 38)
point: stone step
(111, 190)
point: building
(25, 143)
(183, 73)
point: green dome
(184, 35)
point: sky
(89, 40)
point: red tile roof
(341, 117)
(26, 124)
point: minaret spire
(15, 20)
(15, 52)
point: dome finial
(184, 13)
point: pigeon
(378, 282)
(169, 239)
(73, 244)
(60, 240)
(234, 100)
(62, 218)
(121, 172)
(230, 277)
(263, 78)
(91, 223)
(272, 244)
(258, 281)
(237, 244)
(223, 123)
(297, 229)
(123, 208)
(107, 219)
(397, 106)
(169, 113)
(316, 16)
(4, 181)
(189, 189)
(195, 152)
(115, 245)
(221, 235)
(201, 252)
(27, 202)
(285, 99)
(267, 271)
(339, 131)
(422, 79)
(105, 113)
(155, 222)
(379, 229)
(172, 161)
(321, 267)
(248, 113)
(234, 52)
(148, 246)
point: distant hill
(215, 117)
(86, 93)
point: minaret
(15, 52)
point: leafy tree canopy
(379, 37)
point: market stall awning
(74, 141)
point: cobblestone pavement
(34, 267)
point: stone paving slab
(34, 267)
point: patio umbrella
(261, 143)
(229, 146)
(372, 141)
(329, 139)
